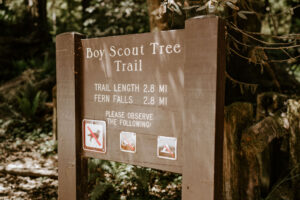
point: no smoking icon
(94, 135)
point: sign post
(72, 168)
(153, 100)
(204, 108)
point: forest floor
(28, 169)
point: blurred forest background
(262, 115)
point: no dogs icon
(94, 135)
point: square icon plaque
(167, 147)
(128, 142)
(94, 135)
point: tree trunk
(262, 158)
(293, 111)
(85, 4)
(54, 118)
(43, 29)
(262, 161)
(42, 11)
(238, 116)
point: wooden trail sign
(153, 100)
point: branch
(262, 47)
(252, 86)
(293, 59)
(290, 10)
(233, 26)
(282, 37)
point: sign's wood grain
(71, 167)
(152, 95)
(204, 108)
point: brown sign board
(153, 100)
(135, 83)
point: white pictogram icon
(94, 135)
(167, 147)
(128, 142)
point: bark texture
(237, 117)
(262, 156)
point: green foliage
(48, 65)
(102, 185)
(27, 108)
(98, 17)
(24, 36)
(20, 66)
(33, 131)
(30, 102)
(106, 17)
(13, 12)
(112, 180)
(49, 147)
(65, 16)
(104, 191)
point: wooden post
(204, 108)
(71, 167)
(54, 120)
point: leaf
(25, 107)
(241, 89)
(264, 55)
(202, 7)
(190, 7)
(231, 5)
(174, 7)
(245, 39)
(253, 89)
(36, 102)
(252, 57)
(99, 190)
(247, 12)
(235, 45)
(241, 15)
(261, 68)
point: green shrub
(112, 180)
(30, 102)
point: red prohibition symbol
(94, 136)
